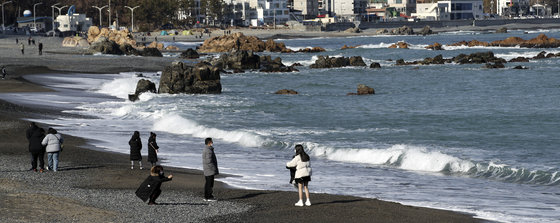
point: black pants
(208, 185)
(155, 195)
(34, 156)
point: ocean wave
(387, 45)
(421, 159)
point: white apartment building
(348, 9)
(269, 12)
(74, 22)
(450, 10)
(308, 8)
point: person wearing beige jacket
(303, 173)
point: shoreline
(99, 171)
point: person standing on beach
(303, 173)
(53, 141)
(4, 72)
(35, 136)
(40, 49)
(153, 149)
(22, 48)
(150, 188)
(135, 147)
(210, 167)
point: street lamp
(34, 24)
(100, 13)
(3, 14)
(52, 7)
(132, 10)
(109, 12)
(59, 13)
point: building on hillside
(309, 8)
(73, 22)
(513, 7)
(540, 10)
(450, 10)
(349, 10)
(192, 12)
(269, 12)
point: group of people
(29, 41)
(300, 167)
(39, 144)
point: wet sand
(94, 185)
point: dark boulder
(129, 50)
(330, 62)
(274, 65)
(519, 67)
(189, 54)
(478, 58)
(494, 66)
(357, 61)
(363, 90)
(519, 59)
(375, 65)
(182, 78)
(106, 46)
(425, 31)
(142, 86)
(151, 52)
(286, 91)
(502, 30)
(241, 60)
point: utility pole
(109, 10)
(132, 16)
(52, 7)
(100, 24)
(59, 12)
(3, 15)
(34, 23)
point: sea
(456, 137)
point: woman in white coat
(53, 141)
(303, 173)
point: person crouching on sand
(135, 147)
(153, 149)
(303, 173)
(150, 188)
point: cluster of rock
(106, 46)
(182, 78)
(286, 91)
(348, 47)
(238, 61)
(400, 45)
(189, 54)
(541, 41)
(363, 90)
(474, 58)
(120, 37)
(435, 46)
(73, 41)
(502, 30)
(541, 55)
(405, 30)
(330, 62)
(353, 30)
(240, 42)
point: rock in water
(106, 46)
(142, 86)
(363, 90)
(182, 78)
(286, 91)
(189, 54)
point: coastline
(86, 170)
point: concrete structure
(512, 7)
(191, 12)
(449, 10)
(309, 8)
(42, 23)
(349, 10)
(74, 22)
(431, 11)
(405, 7)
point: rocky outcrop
(171, 48)
(425, 31)
(151, 52)
(274, 65)
(239, 42)
(142, 86)
(348, 47)
(502, 30)
(478, 58)
(189, 54)
(238, 61)
(120, 37)
(330, 62)
(363, 90)
(405, 30)
(286, 91)
(106, 46)
(541, 41)
(400, 45)
(519, 67)
(353, 30)
(155, 45)
(375, 65)
(382, 32)
(305, 50)
(519, 59)
(494, 65)
(435, 46)
(182, 78)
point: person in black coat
(35, 137)
(150, 188)
(153, 149)
(135, 147)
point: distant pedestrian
(155, 38)
(22, 48)
(17, 41)
(35, 137)
(135, 147)
(33, 41)
(210, 167)
(173, 39)
(153, 149)
(40, 48)
(29, 41)
(4, 72)
(150, 188)
(53, 141)
(303, 173)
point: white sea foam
(387, 45)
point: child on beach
(53, 141)
(150, 188)
(303, 173)
(153, 149)
(135, 147)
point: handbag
(61, 144)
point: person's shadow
(181, 203)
